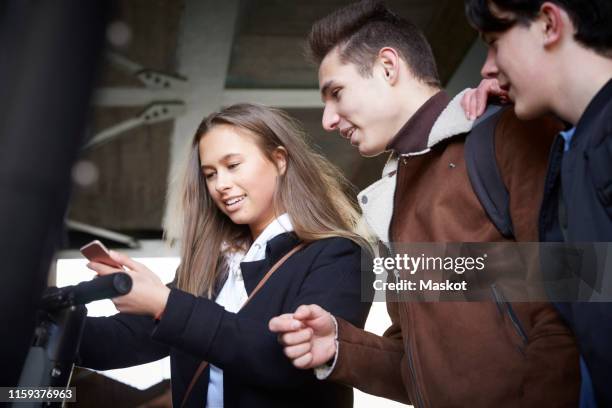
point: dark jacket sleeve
(119, 341)
(244, 347)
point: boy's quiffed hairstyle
(362, 29)
(591, 18)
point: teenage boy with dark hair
(380, 86)
(556, 56)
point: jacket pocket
(508, 314)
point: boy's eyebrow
(224, 158)
(325, 88)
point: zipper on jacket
(419, 399)
(502, 304)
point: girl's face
(239, 177)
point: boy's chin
(368, 151)
(524, 112)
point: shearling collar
(437, 120)
(412, 137)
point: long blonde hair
(317, 197)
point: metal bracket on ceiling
(154, 113)
(161, 95)
(150, 78)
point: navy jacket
(583, 176)
(256, 373)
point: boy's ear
(280, 159)
(555, 20)
(389, 59)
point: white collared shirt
(233, 293)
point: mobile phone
(95, 251)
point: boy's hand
(308, 335)
(474, 101)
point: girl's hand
(148, 295)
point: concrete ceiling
(267, 51)
(214, 53)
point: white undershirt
(233, 293)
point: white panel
(204, 46)
(281, 98)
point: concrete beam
(204, 48)
(287, 98)
(282, 98)
(123, 96)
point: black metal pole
(48, 55)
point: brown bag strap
(263, 280)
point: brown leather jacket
(460, 354)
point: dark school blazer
(256, 373)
